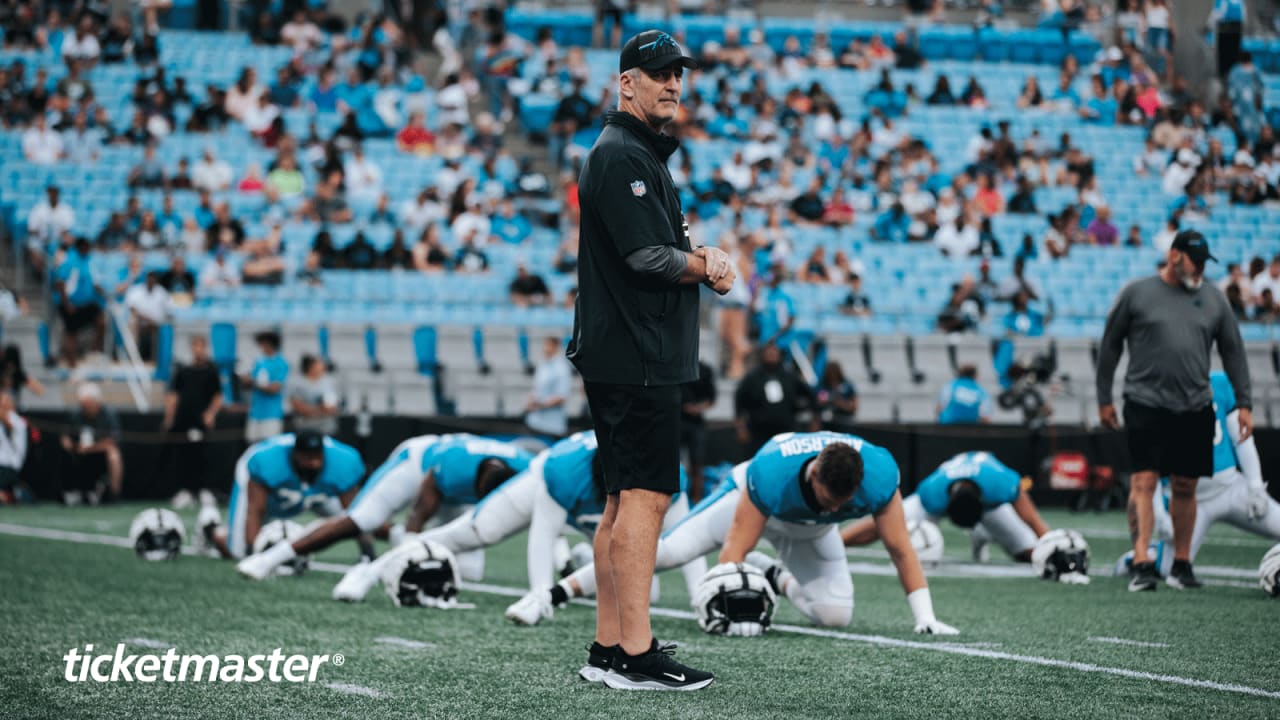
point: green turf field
(1028, 649)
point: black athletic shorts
(79, 318)
(1170, 443)
(638, 436)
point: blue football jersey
(288, 495)
(567, 474)
(1224, 403)
(454, 459)
(998, 483)
(774, 478)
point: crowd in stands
(802, 160)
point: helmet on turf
(422, 573)
(1062, 555)
(278, 531)
(734, 599)
(926, 538)
(1269, 571)
(157, 534)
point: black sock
(653, 647)
(559, 596)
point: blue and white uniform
(452, 459)
(807, 540)
(268, 464)
(557, 490)
(1000, 486)
(1236, 480)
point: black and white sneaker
(599, 662)
(654, 670)
(1182, 577)
(1143, 577)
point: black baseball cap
(652, 50)
(1194, 245)
(308, 441)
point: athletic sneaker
(599, 662)
(654, 670)
(1143, 577)
(1182, 577)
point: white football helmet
(1269, 571)
(157, 534)
(926, 538)
(278, 531)
(422, 573)
(1062, 555)
(734, 599)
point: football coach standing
(1170, 322)
(635, 341)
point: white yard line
(350, 689)
(1122, 641)
(877, 640)
(1119, 534)
(405, 643)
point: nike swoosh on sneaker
(677, 678)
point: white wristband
(921, 603)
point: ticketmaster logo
(172, 667)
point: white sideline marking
(1113, 534)
(350, 689)
(1210, 574)
(148, 643)
(879, 640)
(1122, 641)
(404, 642)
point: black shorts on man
(637, 436)
(1170, 443)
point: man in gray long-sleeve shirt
(1170, 321)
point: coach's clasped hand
(720, 272)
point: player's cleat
(656, 669)
(980, 545)
(261, 566)
(183, 500)
(1182, 577)
(531, 609)
(356, 583)
(1143, 577)
(774, 571)
(599, 662)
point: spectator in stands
(775, 309)
(1065, 99)
(414, 137)
(397, 256)
(470, 258)
(94, 450)
(328, 204)
(219, 274)
(987, 199)
(836, 396)
(149, 307)
(1101, 231)
(1270, 280)
(179, 282)
(473, 222)
(964, 310)
(362, 176)
(137, 132)
(769, 400)
(857, 303)
(149, 172)
(264, 266)
(1246, 90)
(360, 254)
(422, 211)
(47, 222)
(574, 113)
(210, 173)
(1267, 310)
(1100, 108)
(429, 254)
(1134, 238)
(941, 94)
(41, 145)
(224, 231)
(1177, 176)
(838, 211)
(81, 144)
(313, 399)
(957, 239)
(301, 34)
(963, 400)
(82, 46)
(512, 227)
(545, 412)
(1023, 201)
(267, 382)
(1022, 320)
(528, 289)
(814, 270)
(285, 183)
(243, 95)
(1030, 96)
(808, 208)
(1152, 161)
(893, 225)
(13, 375)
